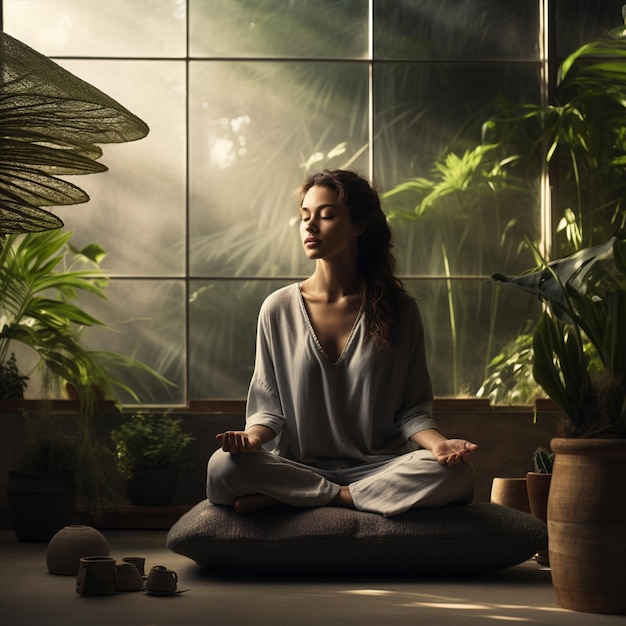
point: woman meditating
(339, 409)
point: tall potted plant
(579, 359)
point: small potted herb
(149, 449)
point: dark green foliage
(148, 440)
(12, 382)
(581, 138)
(44, 447)
(51, 443)
(42, 277)
(580, 347)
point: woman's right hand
(239, 441)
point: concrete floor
(29, 595)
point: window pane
(149, 321)
(467, 322)
(453, 29)
(275, 28)
(222, 323)
(115, 28)
(422, 113)
(137, 208)
(249, 149)
(580, 21)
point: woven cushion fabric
(452, 541)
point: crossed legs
(260, 479)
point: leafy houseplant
(575, 141)
(579, 358)
(41, 278)
(579, 344)
(149, 448)
(581, 138)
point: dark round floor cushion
(452, 541)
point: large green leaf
(560, 366)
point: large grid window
(243, 98)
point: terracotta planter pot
(587, 524)
(538, 486)
(511, 492)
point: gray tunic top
(360, 409)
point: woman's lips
(309, 242)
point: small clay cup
(96, 576)
(128, 577)
(138, 561)
(161, 581)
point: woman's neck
(331, 281)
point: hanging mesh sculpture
(50, 124)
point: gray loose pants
(388, 487)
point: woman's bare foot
(343, 499)
(250, 504)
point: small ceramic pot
(511, 492)
(138, 561)
(96, 576)
(70, 544)
(128, 578)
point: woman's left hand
(453, 452)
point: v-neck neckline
(307, 319)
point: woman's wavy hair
(381, 291)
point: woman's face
(326, 229)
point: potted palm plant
(579, 359)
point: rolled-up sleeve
(263, 405)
